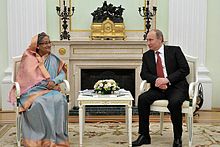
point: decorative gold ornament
(62, 51)
(108, 30)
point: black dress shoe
(142, 139)
(177, 142)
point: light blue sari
(45, 123)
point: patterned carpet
(114, 135)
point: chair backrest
(15, 66)
(193, 76)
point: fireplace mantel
(100, 54)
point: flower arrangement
(106, 86)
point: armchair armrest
(193, 93)
(192, 89)
(66, 91)
(17, 90)
(144, 86)
(67, 86)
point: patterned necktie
(159, 66)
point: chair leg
(126, 117)
(84, 117)
(67, 121)
(67, 117)
(190, 126)
(161, 122)
(190, 130)
(187, 121)
(18, 129)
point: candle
(147, 4)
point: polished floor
(203, 116)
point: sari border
(44, 143)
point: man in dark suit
(168, 81)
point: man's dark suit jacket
(176, 66)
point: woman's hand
(57, 87)
(51, 85)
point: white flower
(108, 84)
(105, 86)
(100, 84)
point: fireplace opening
(124, 77)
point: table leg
(80, 125)
(126, 117)
(84, 117)
(130, 125)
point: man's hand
(164, 87)
(161, 83)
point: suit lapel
(153, 62)
(166, 58)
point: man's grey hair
(159, 34)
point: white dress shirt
(161, 50)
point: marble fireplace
(86, 60)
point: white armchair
(16, 62)
(188, 107)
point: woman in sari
(44, 107)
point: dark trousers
(175, 98)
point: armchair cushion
(164, 103)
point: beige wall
(162, 17)
(213, 48)
(52, 19)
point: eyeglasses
(45, 43)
